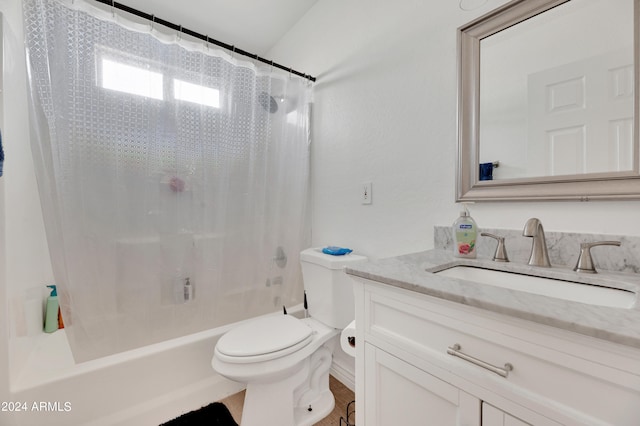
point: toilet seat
(269, 338)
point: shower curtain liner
(172, 177)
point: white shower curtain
(173, 177)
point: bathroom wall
(4, 317)
(385, 112)
(24, 256)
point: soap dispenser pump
(51, 314)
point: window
(140, 81)
(195, 93)
(133, 80)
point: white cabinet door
(397, 393)
(492, 416)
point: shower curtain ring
(233, 51)
(153, 21)
(206, 40)
(290, 71)
(113, 8)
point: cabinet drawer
(558, 382)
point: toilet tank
(329, 289)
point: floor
(342, 394)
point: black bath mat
(215, 414)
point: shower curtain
(173, 177)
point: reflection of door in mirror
(581, 117)
(557, 92)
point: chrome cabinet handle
(455, 351)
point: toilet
(284, 360)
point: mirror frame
(585, 187)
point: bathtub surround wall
(4, 315)
(4, 311)
(24, 255)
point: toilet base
(321, 408)
(287, 402)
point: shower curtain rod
(180, 28)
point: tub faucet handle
(501, 251)
(585, 261)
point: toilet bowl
(280, 383)
(285, 361)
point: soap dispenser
(51, 314)
(465, 232)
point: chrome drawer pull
(455, 351)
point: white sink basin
(577, 292)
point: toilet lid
(264, 336)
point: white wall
(4, 315)
(385, 111)
(24, 254)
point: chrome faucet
(539, 255)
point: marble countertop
(410, 272)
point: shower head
(268, 103)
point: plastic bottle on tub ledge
(51, 313)
(465, 232)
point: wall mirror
(546, 103)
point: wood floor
(342, 394)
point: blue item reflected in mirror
(486, 171)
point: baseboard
(343, 375)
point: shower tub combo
(145, 386)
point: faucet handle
(585, 261)
(501, 252)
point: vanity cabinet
(399, 393)
(421, 360)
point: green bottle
(51, 314)
(465, 232)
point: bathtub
(146, 386)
